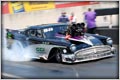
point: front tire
(58, 56)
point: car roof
(48, 25)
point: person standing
(63, 18)
(90, 17)
(73, 18)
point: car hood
(86, 39)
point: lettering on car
(40, 50)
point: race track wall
(113, 33)
(25, 19)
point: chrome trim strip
(94, 49)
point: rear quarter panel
(42, 49)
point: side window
(35, 33)
(39, 33)
(31, 33)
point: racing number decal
(40, 50)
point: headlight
(109, 41)
(64, 50)
(73, 47)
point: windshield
(51, 32)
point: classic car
(48, 42)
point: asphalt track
(99, 69)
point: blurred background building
(17, 15)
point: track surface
(105, 68)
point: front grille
(95, 50)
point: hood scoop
(83, 40)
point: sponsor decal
(16, 7)
(48, 29)
(40, 50)
(38, 5)
(12, 7)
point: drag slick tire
(55, 55)
(58, 56)
(18, 45)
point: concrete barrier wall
(24, 19)
(113, 33)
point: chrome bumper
(87, 54)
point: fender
(42, 50)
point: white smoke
(17, 52)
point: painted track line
(11, 75)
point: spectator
(63, 18)
(90, 17)
(73, 18)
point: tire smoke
(16, 52)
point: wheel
(58, 56)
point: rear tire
(18, 44)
